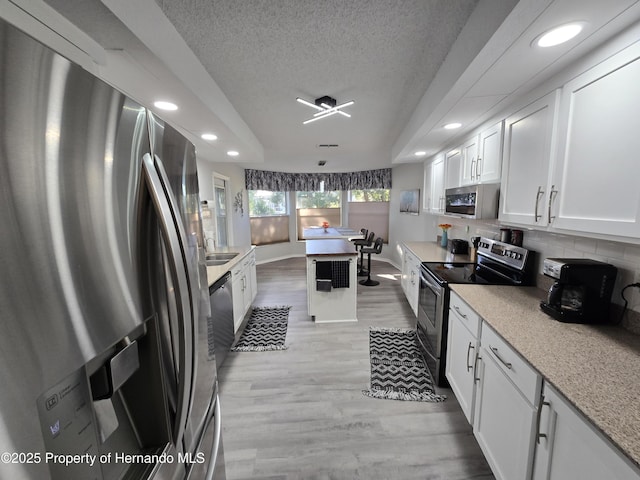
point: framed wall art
(409, 201)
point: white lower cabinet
(524, 430)
(244, 287)
(462, 346)
(504, 419)
(570, 448)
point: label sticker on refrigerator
(69, 430)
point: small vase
(444, 240)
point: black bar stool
(377, 248)
(362, 243)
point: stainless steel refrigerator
(107, 369)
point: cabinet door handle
(536, 217)
(552, 194)
(472, 173)
(478, 168)
(539, 418)
(469, 348)
(494, 350)
(455, 307)
(475, 369)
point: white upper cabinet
(482, 157)
(469, 174)
(453, 165)
(489, 162)
(528, 136)
(434, 185)
(597, 172)
(437, 182)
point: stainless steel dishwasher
(221, 317)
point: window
(268, 217)
(370, 209)
(264, 203)
(372, 195)
(313, 208)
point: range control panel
(511, 255)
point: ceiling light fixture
(162, 105)
(452, 126)
(233, 153)
(326, 107)
(421, 153)
(209, 136)
(559, 35)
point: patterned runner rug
(398, 371)
(266, 330)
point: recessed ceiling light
(209, 136)
(162, 105)
(421, 153)
(233, 153)
(559, 35)
(452, 126)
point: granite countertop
(594, 366)
(433, 252)
(214, 273)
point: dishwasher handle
(219, 283)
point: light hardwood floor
(300, 413)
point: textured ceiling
(263, 54)
(235, 67)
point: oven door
(431, 308)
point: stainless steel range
(498, 263)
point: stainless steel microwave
(473, 201)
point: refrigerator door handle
(216, 442)
(171, 233)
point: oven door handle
(426, 348)
(434, 287)
(500, 274)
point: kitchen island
(331, 280)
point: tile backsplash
(626, 257)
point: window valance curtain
(310, 182)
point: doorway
(221, 209)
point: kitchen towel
(337, 271)
(340, 274)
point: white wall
(404, 227)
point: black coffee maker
(582, 291)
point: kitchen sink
(222, 256)
(215, 263)
(215, 259)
